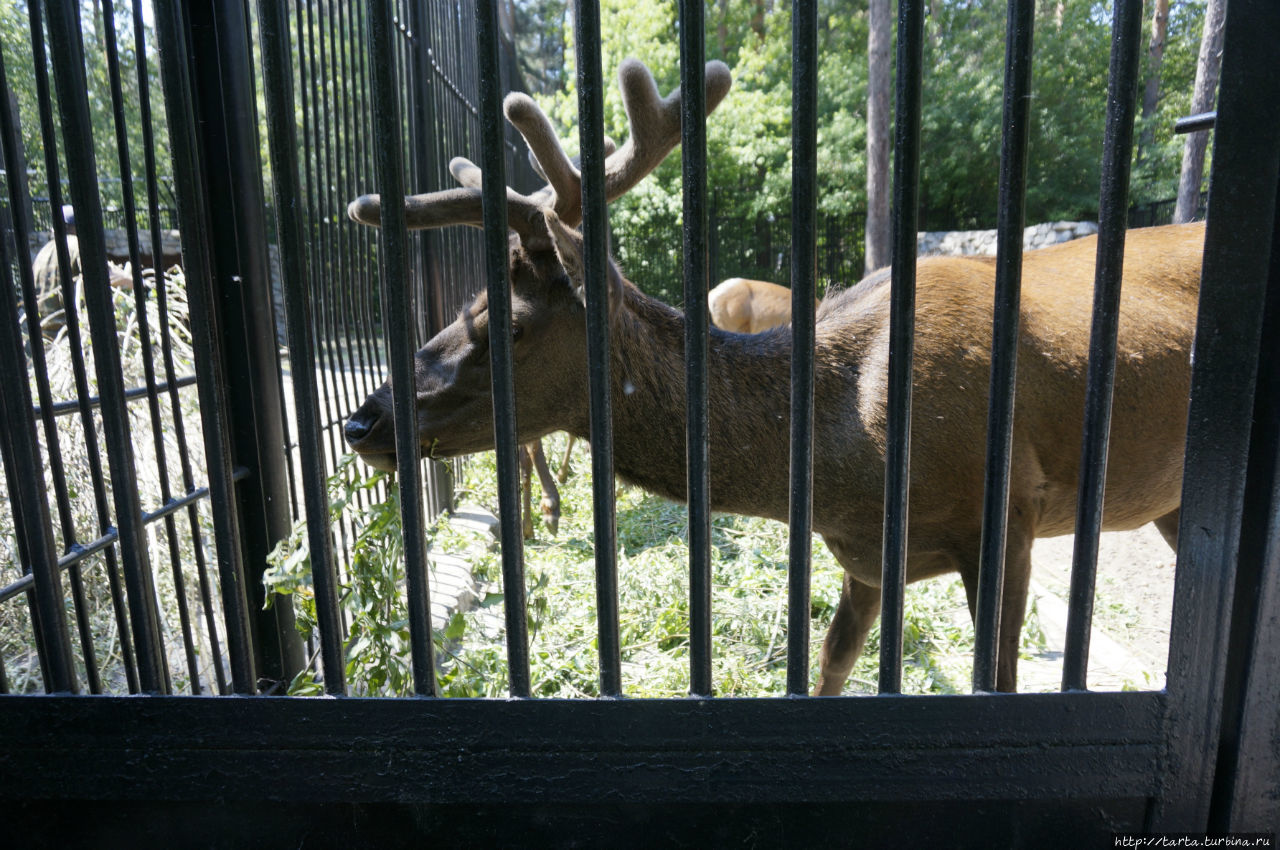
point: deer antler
(654, 132)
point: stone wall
(956, 242)
(117, 242)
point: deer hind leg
(858, 608)
(526, 491)
(550, 493)
(1168, 527)
(565, 469)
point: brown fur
(750, 405)
(748, 306)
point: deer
(749, 382)
(747, 306)
(532, 458)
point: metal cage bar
(84, 401)
(397, 300)
(693, 147)
(906, 188)
(1247, 778)
(1122, 97)
(1237, 262)
(144, 332)
(1004, 347)
(172, 382)
(273, 22)
(22, 230)
(595, 233)
(21, 457)
(499, 293)
(211, 370)
(804, 202)
(69, 80)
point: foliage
(749, 136)
(15, 41)
(749, 628)
(538, 30)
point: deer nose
(357, 428)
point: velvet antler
(654, 131)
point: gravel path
(1133, 606)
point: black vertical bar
(902, 320)
(397, 317)
(144, 331)
(595, 234)
(423, 130)
(166, 345)
(1117, 150)
(310, 76)
(1239, 231)
(1004, 340)
(804, 198)
(210, 369)
(48, 134)
(273, 23)
(227, 106)
(693, 142)
(1247, 778)
(20, 210)
(73, 102)
(26, 487)
(504, 399)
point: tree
(15, 40)
(878, 76)
(1155, 56)
(1193, 151)
(749, 137)
(538, 28)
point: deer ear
(568, 245)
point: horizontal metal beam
(83, 551)
(971, 747)
(63, 408)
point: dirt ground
(1132, 611)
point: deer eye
(517, 331)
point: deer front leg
(550, 493)
(858, 608)
(565, 469)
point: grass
(169, 561)
(749, 603)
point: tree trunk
(1207, 68)
(1155, 58)
(878, 73)
(722, 27)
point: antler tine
(456, 206)
(655, 131)
(609, 147)
(654, 122)
(561, 174)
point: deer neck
(749, 407)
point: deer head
(453, 389)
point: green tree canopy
(15, 41)
(749, 136)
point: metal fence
(1004, 769)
